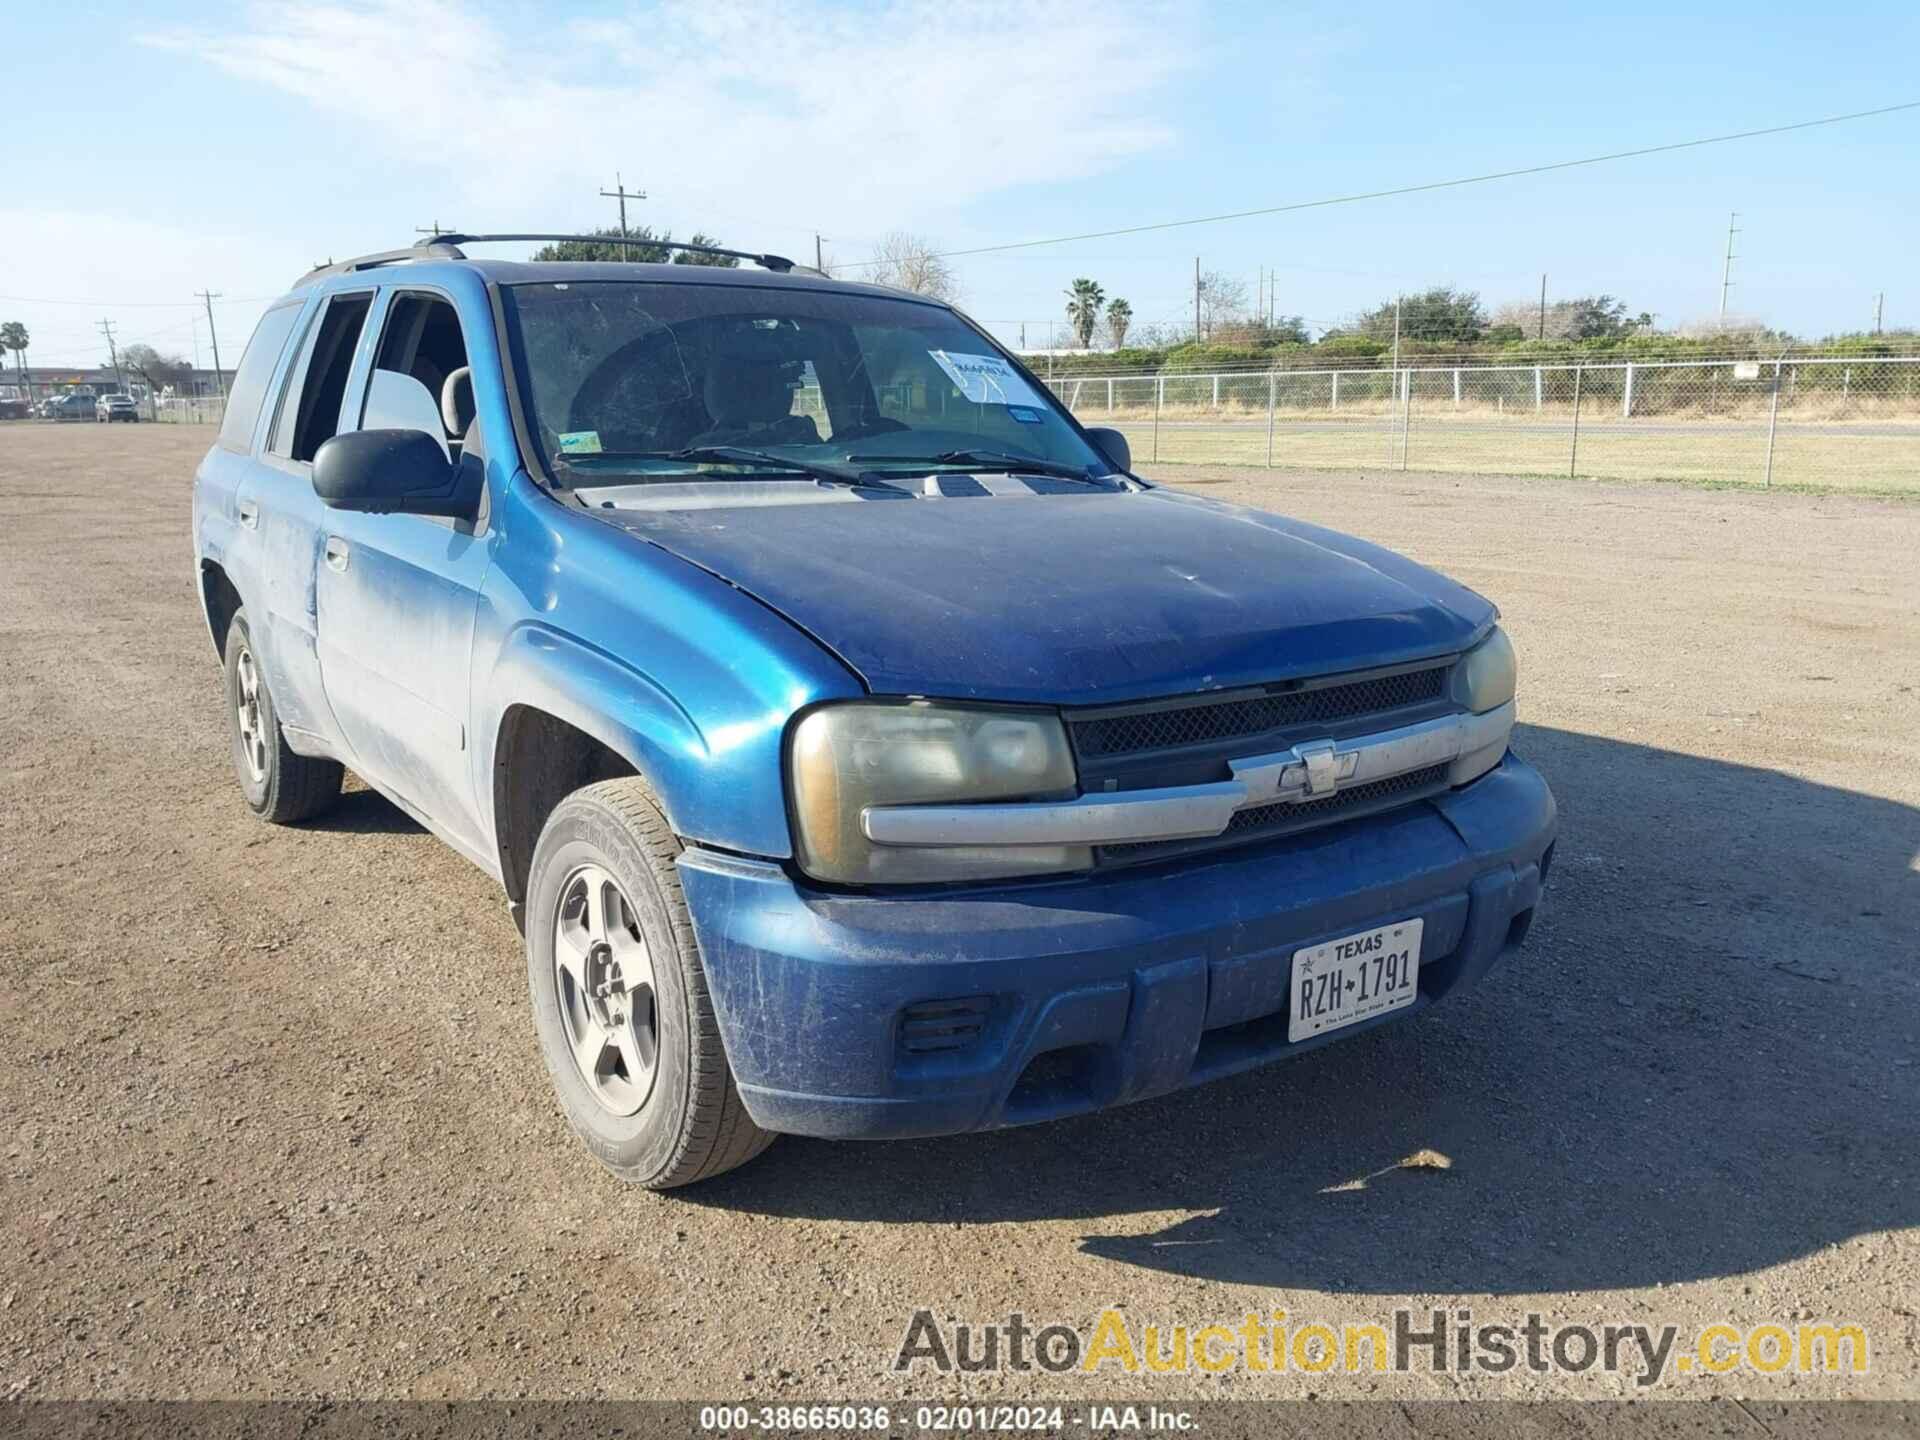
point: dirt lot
(275, 1123)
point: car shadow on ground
(1700, 1065)
(365, 812)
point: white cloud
(802, 114)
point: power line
(219, 375)
(138, 304)
(1726, 273)
(113, 353)
(1430, 185)
(622, 194)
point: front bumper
(1129, 983)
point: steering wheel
(599, 403)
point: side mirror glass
(1114, 446)
(391, 472)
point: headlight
(1483, 681)
(1487, 673)
(844, 758)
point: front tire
(280, 786)
(620, 1000)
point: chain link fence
(1833, 422)
(186, 410)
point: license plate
(1354, 978)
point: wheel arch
(219, 603)
(539, 759)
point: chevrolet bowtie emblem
(1308, 771)
(1320, 771)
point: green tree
(656, 250)
(14, 337)
(1084, 299)
(1441, 313)
(1350, 345)
(1119, 317)
(1597, 317)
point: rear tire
(280, 786)
(620, 1000)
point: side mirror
(391, 472)
(1114, 446)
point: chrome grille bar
(1313, 770)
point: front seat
(456, 403)
(749, 397)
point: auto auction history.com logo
(1438, 1340)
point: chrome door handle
(250, 514)
(336, 553)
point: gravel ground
(275, 1122)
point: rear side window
(310, 408)
(250, 381)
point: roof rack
(446, 246)
(435, 249)
(778, 263)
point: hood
(1081, 597)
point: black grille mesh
(1284, 818)
(1307, 811)
(1226, 719)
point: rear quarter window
(250, 381)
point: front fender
(685, 677)
(599, 695)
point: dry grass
(1810, 456)
(1821, 410)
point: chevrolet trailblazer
(864, 749)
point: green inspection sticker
(580, 442)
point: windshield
(621, 378)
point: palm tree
(1084, 299)
(13, 336)
(1119, 317)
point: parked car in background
(863, 749)
(14, 404)
(116, 407)
(71, 406)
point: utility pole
(113, 352)
(1396, 337)
(819, 255)
(1196, 298)
(1270, 310)
(1879, 309)
(622, 194)
(1541, 332)
(1726, 272)
(219, 375)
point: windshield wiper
(766, 459)
(989, 460)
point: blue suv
(863, 749)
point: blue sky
(173, 147)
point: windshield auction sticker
(986, 379)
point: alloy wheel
(603, 975)
(253, 729)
